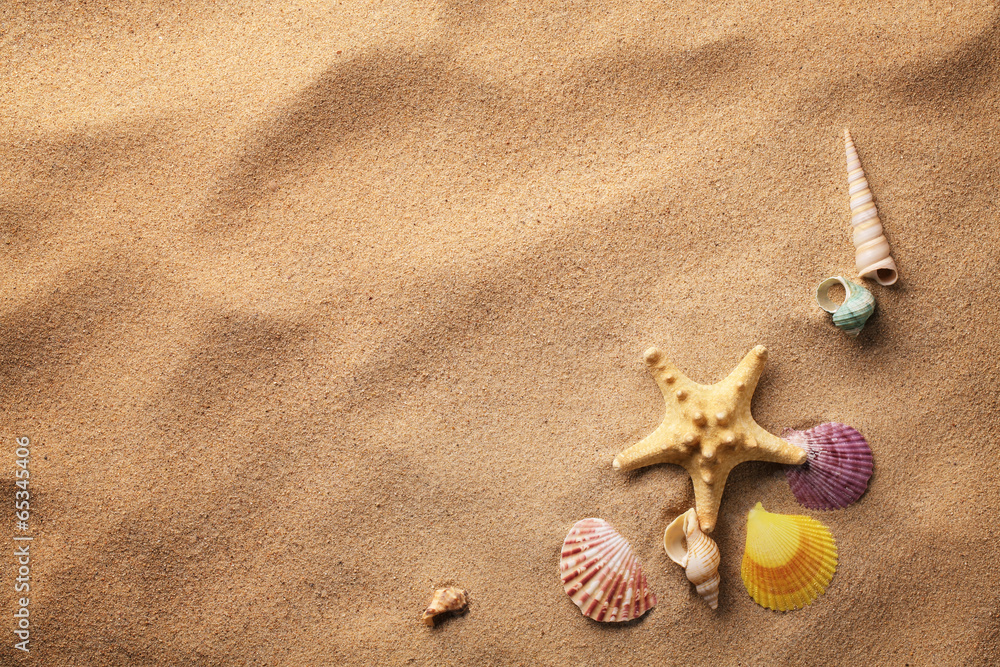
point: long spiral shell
(697, 553)
(872, 248)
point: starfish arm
(774, 449)
(707, 498)
(668, 377)
(746, 375)
(660, 446)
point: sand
(311, 308)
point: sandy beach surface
(310, 308)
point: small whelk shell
(872, 249)
(858, 306)
(789, 559)
(837, 468)
(445, 600)
(601, 573)
(697, 553)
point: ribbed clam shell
(871, 247)
(837, 469)
(789, 559)
(697, 553)
(851, 315)
(601, 573)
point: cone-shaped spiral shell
(697, 553)
(837, 469)
(601, 573)
(858, 306)
(445, 600)
(871, 247)
(789, 559)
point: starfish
(708, 429)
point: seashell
(837, 469)
(789, 559)
(871, 247)
(445, 600)
(697, 553)
(858, 306)
(601, 573)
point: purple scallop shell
(837, 469)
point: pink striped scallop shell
(837, 469)
(601, 573)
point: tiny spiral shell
(445, 600)
(697, 553)
(872, 248)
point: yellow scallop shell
(789, 559)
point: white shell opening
(675, 538)
(823, 293)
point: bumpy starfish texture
(708, 429)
